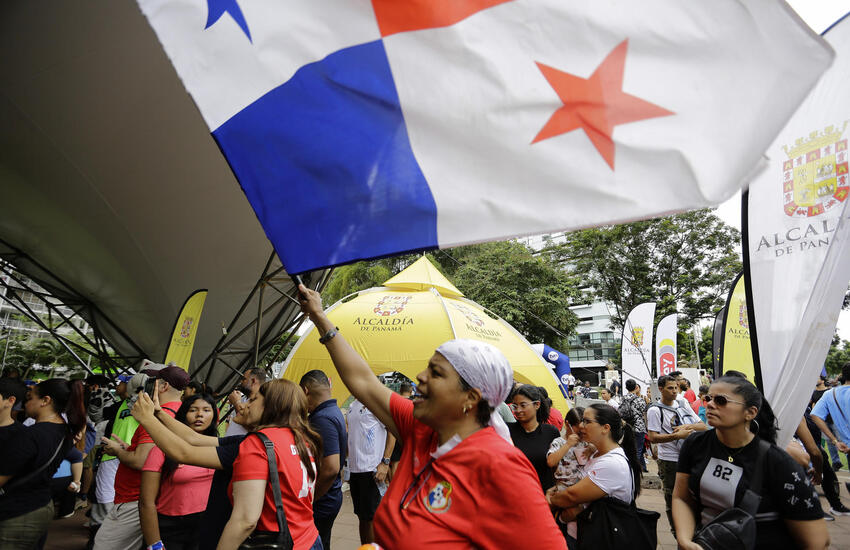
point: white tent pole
(446, 309)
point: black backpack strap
(284, 536)
(752, 497)
(840, 410)
(24, 479)
(661, 408)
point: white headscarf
(483, 366)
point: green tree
(703, 346)
(837, 356)
(685, 263)
(351, 278)
(530, 291)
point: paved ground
(69, 534)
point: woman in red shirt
(278, 410)
(460, 483)
(173, 496)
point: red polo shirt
(127, 480)
(296, 488)
(483, 493)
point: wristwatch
(385, 461)
(328, 335)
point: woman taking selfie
(460, 483)
(613, 469)
(173, 496)
(279, 410)
(28, 462)
(715, 468)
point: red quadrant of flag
(396, 16)
(596, 104)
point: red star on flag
(596, 104)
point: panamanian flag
(359, 129)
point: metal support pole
(6, 349)
(259, 322)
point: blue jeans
(834, 457)
(641, 449)
(318, 544)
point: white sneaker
(839, 510)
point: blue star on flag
(217, 8)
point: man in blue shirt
(327, 419)
(836, 403)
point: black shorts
(364, 495)
(396, 456)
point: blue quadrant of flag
(327, 156)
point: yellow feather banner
(185, 330)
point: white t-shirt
(367, 438)
(232, 427)
(614, 402)
(611, 473)
(663, 421)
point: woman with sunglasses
(530, 433)
(715, 467)
(613, 469)
(460, 483)
(173, 496)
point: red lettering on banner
(396, 16)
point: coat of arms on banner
(742, 315)
(814, 178)
(470, 315)
(390, 305)
(186, 329)
(637, 337)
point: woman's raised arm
(355, 373)
(171, 444)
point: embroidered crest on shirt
(438, 500)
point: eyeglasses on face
(522, 406)
(720, 400)
(588, 421)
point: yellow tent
(398, 326)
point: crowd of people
(468, 459)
